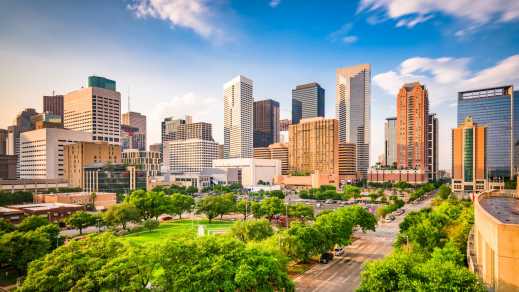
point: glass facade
(307, 102)
(101, 82)
(498, 109)
(468, 159)
(114, 178)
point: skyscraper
(314, 146)
(307, 102)
(390, 142)
(412, 124)
(266, 122)
(95, 110)
(138, 121)
(352, 107)
(469, 159)
(432, 147)
(498, 109)
(3, 141)
(54, 105)
(238, 118)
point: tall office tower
(266, 122)
(3, 141)
(498, 109)
(238, 118)
(277, 151)
(138, 121)
(390, 142)
(307, 102)
(469, 157)
(42, 152)
(314, 146)
(412, 123)
(352, 107)
(24, 122)
(53, 104)
(220, 151)
(79, 155)
(182, 129)
(283, 130)
(432, 147)
(191, 155)
(347, 161)
(127, 137)
(47, 120)
(95, 110)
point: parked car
(389, 218)
(399, 212)
(339, 251)
(329, 201)
(326, 257)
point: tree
(51, 231)
(122, 214)
(361, 217)
(277, 194)
(208, 206)
(151, 224)
(18, 249)
(150, 204)
(444, 192)
(300, 241)
(301, 211)
(5, 226)
(350, 191)
(80, 220)
(181, 203)
(272, 206)
(244, 207)
(257, 229)
(32, 222)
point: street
(343, 273)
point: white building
(353, 103)
(191, 155)
(42, 152)
(96, 111)
(238, 118)
(251, 171)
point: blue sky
(173, 56)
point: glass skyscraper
(496, 108)
(307, 102)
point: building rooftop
(308, 85)
(504, 209)
(43, 206)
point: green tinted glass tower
(101, 82)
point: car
(329, 201)
(339, 251)
(399, 212)
(389, 218)
(326, 257)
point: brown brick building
(314, 146)
(79, 155)
(277, 151)
(347, 161)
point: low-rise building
(100, 200)
(148, 161)
(32, 185)
(11, 215)
(314, 180)
(251, 171)
(53, 211)
(113, 178)
(410, 176)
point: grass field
(170, 229)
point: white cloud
(191, 14)
(350, 39)
(444, 77)
(412, 12)
(274, 3)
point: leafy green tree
(351, 191)
(272, 206)
(209, 206)
(18, 249)
(51, 231)
(122, 214)
(5, 226)
(277, 194)
(361, 217)
(301, 211)
(80, 220)
(257, 229)
(181, 203)
(444, 192)
(150, 204)
(300, 242)
(225, 204)
(244, 207)
(151, 224)
(32, 222)
(336, 227)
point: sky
(172, 57)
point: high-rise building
(238, 118)
(157, 147)
(42, 152)
(412, 126)
(220, 151)
(54, 105)
(266, 122)
(498, 109)
(182, 129)
(352, 107)
(432, 147)
(278, 151)
(47, 120)
(148, 161)
(95, 110)
(3, 141)
(7, 167)
(469, 157)
(81, 154)
(307, 102)
(127, 135)
(390, 142)
(347, 161)
(138, 121)
(314, 146)
(283, 130)
(24, 122)
(191, 155)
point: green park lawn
(172, 228)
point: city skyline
(159, 87)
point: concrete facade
(410, 176)
(277, 151)
(251, 171)
(238, 118)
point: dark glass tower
(266, 123)
(496, 108)
(307, 102)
